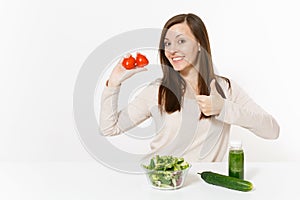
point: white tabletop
(91, 180)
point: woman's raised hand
(212, 104)
(119, 74)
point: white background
(44, 43)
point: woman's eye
(181, 41)
(167, 44)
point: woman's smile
(177, 58)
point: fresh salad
(166, 171)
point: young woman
(188, 77)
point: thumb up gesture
(212, 104)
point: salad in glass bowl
(166, 172)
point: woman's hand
(119, 74)
(212, 104)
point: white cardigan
(182, 133)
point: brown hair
(172, 88)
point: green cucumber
(226, 181)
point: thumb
(213, 89)
(122, 58)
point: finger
(120, 61)
(139, 69)
(134, 71)
(202, 98)
(122, 58)
(204, 109)
(127, 55)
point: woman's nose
(172, 49)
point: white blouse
(182, 133)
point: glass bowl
(166, 180)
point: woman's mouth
(177, 59)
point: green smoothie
(236, 163)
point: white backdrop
(43, 45)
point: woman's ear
(199, 47)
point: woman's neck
(190, 75)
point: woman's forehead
(177, 30)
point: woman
(188, 77)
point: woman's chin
(178, 68)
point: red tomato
(129, 63)
(141, 60)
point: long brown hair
(172, 88)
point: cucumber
(226, 181)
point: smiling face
(181, 47)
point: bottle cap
(236, 144)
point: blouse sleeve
(114, 122)
(239, 109)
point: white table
(91, 180)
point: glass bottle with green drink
(236, 160)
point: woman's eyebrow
(178, 35)
(175, 36)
